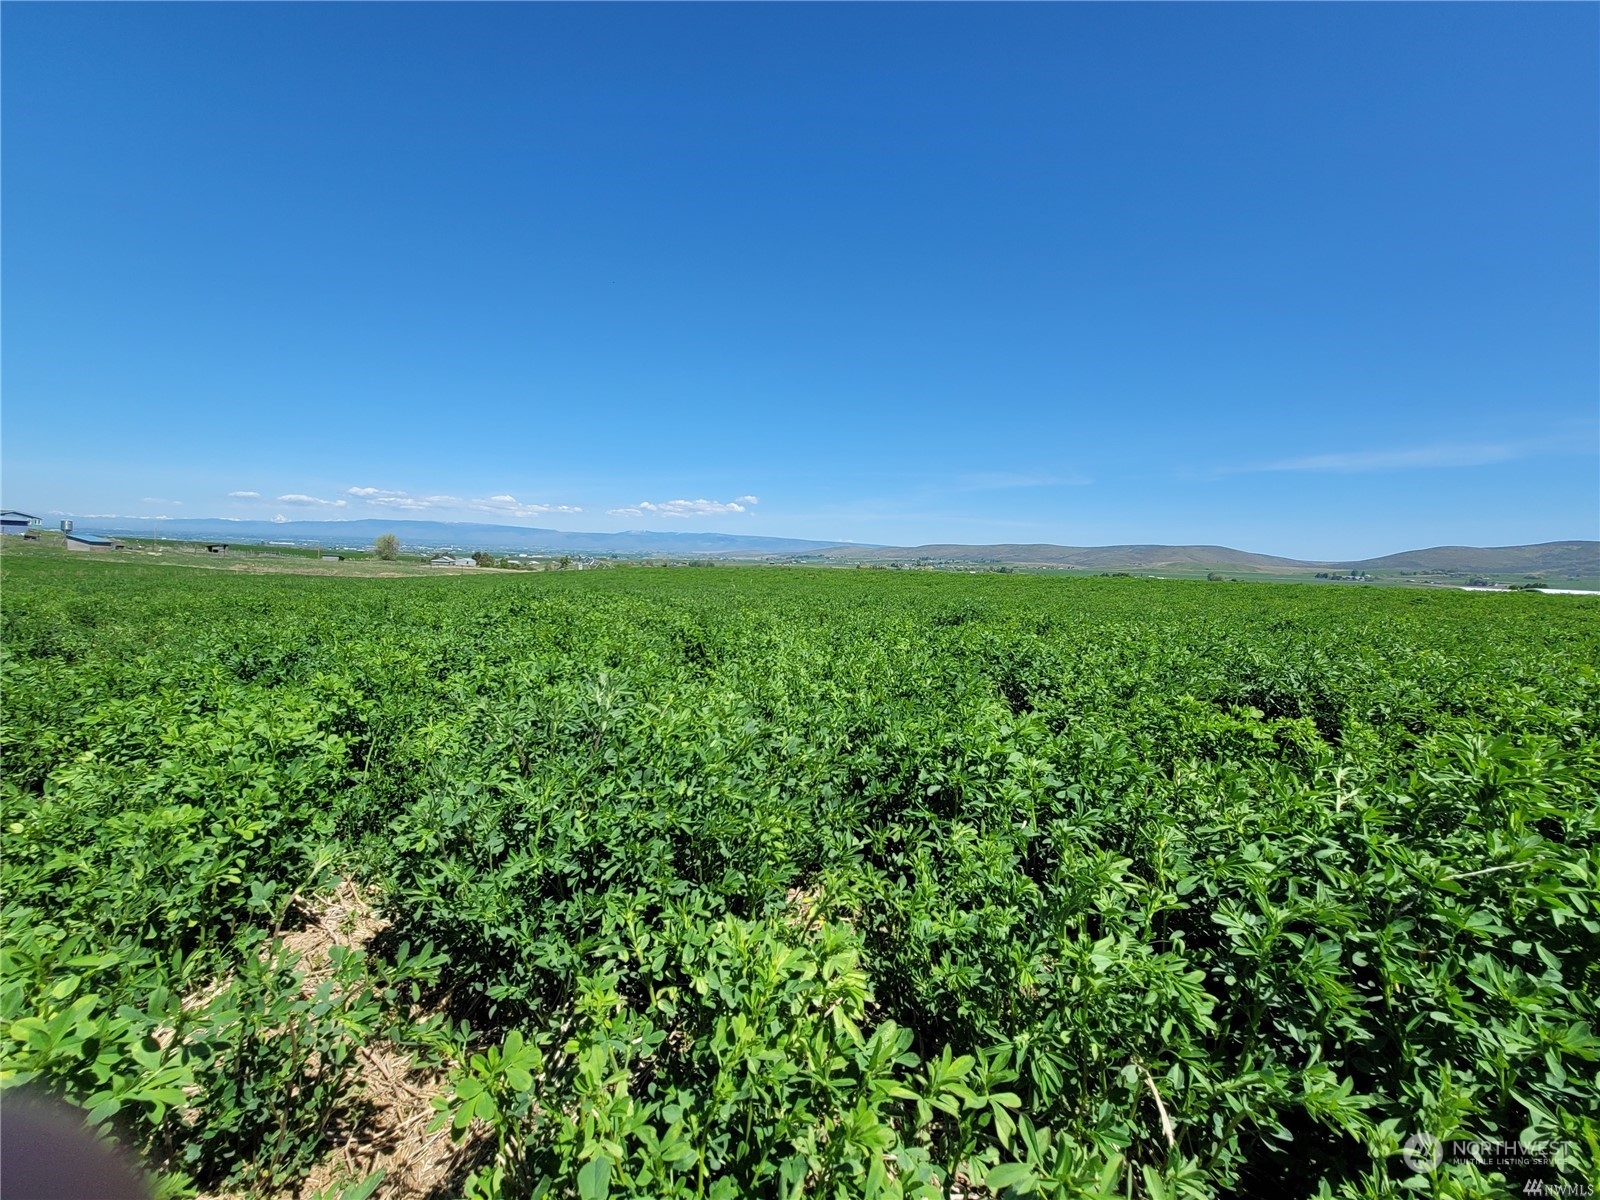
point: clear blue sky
(1319, 280)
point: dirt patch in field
(383, 1123)
(387, 1129)
(344, 918)
(386, 1124)
(802, 904)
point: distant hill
(1554, 558)
(1559, 558)
(1097, 558)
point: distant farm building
(217, 548)
(88, 541)
(446, 560)
(332, 558)
(14, 522)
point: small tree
(483, 558)
(387, 547)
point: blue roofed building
(90, 541)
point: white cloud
(311, 501)
(386, 498)
(512, 507)
(501, 505)
(280, 519)
(685, 508)
(244, 495)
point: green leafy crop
(814, 884)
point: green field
(803, 882)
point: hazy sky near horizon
(1319, 280)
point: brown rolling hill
(1554, 558)
(1563, 558)
(1097, 558)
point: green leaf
(1014, 1175)
(594, 1179)
(1003, 1125)
(366, 1187)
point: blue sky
(1319, 280)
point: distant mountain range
(1580, 558)
(454, 535)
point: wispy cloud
(1419, 457)
(299, 498)
(512, 507)
(685, 508)
(992, 481)
(1578, 438)
(501, 505)
(386, 498)
(159, 500)
(244, 495)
